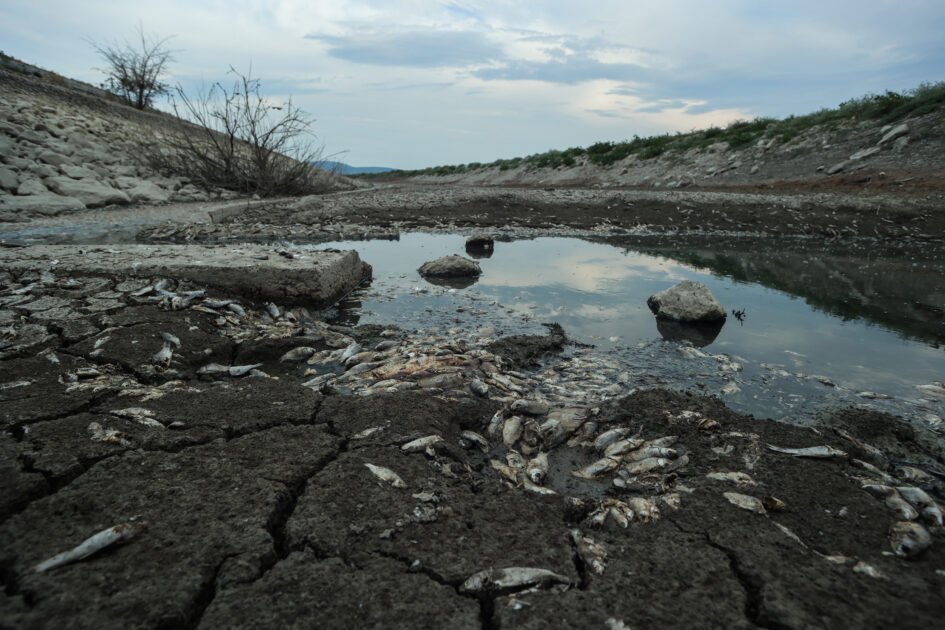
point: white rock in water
(688, 301)
(450, 267)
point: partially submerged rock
(450, 267)
(688, 301)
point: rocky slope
(66, 146)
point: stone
(894, 133)
(8, 180)
(148, 192)
(836, 168)
(865, 153)
(76, 172)
(480, 246)
(47, 204)
(32, 186)
(688, 301)
(450, 267)
(53, 158)
(92, 193)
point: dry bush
(134, 71)
(237, 140)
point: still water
(832, 332)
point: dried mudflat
(254, 506)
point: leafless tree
(135, 70)
(238, 140)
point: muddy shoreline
(259, 507)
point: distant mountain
(347, 169)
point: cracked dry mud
(260, 510)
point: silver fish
(893, 500)
(649, 451)
(745, 502)
(211, 303)
(510, 580)
(105, 538)
(869, 451)
(469, 439)
(909, 539)
(647, 465)
(738, 478)
(236, 309)
(817, 452)
(350, 351)
(592, 554)
(605, 439)
(163, 356)
(366, 433)
(300, 353)
(537, 468)
(386, 475)
(171, 339)
(625, 445)
(913, 474)
(537, 489)
(421, 444)
(923, 503)
(495, 425)
(479, 388)
(596, 469)
(242, 370)
(509, 473)
(273, 310)
(512, 430)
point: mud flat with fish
(186, 443)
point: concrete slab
(257, 272)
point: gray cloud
(569, 70)
(417, 49)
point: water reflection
(813, 314)
(699, 334)
(452, 282)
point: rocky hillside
(891, 142)
(67, 146)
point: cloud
(412, 48)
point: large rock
(896, 132)
(450, 267)
(47, 204)
(688, 301)
(8, 179)
(91, 192)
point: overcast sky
(411, 83)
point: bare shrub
(135, 71)
(236, 139)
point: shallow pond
(834, 332)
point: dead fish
(509, 473)
(349, 352)
(535, 488)
(596, 469)
(646, 465)
(773, 503)
(531, 407)
(913, 474)
(893, 500)
(236, 309)
(242, 370)
(909, 539)
(469, 439)
(516, 460)
(745, 502)
(510, 580)
(787, 532)
(661, 442)
(592, 554)
(163, 356)
(273, 310)
(479, 388)
(537, 468)
(868, 570)
(873, 470)
(512, 430)
(366, 433)
(421, 444)
(109, 436)
(171, 339)
(211, 303)
(923, 503)
(605, 439)
(869, 451)
(103, 539)
(300, 353)
(620, 447)
(738, 478)
(139, 415)
(644, 510)
(143, 291)
(386, 475)
(817, 452)
(649, 451)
